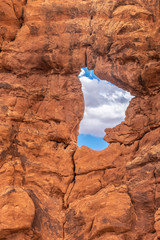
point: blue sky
(105, 106)
(96, 143)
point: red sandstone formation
(51, 189)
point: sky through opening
(105, 106)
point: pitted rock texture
(17, 211)
(50, 188)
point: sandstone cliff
(50, 188)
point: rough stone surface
(17, 211)
(50, 188)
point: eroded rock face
(17, 211)
(50, 189)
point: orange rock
(115, 214)
(17, 211)
(50, 188)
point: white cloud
(82, 73)
(105, 105)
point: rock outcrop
(50, 188)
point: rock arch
(77, 193)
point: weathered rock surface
(50, 188)
(17, 211)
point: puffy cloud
(105, 104)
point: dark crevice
(71, 184)
(38, 210)
(12, 150)
(14, 10)
(95, 170)
(42, 213)
(109, 45)
(5, 85)
(85, 59)
(63, 231)
(74, 168)
(13, 190)
(141, 82)
(91, 227)
(90, 25)
(74, 175)
(13, 183)
(59, 140)
(132, 201)
(13, 38)
(21, 20)
(2, 39)
(67, 194)
(156, 187)
(137, 147)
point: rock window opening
(105, 106)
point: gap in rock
(105, 106)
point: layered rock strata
(50, 188)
